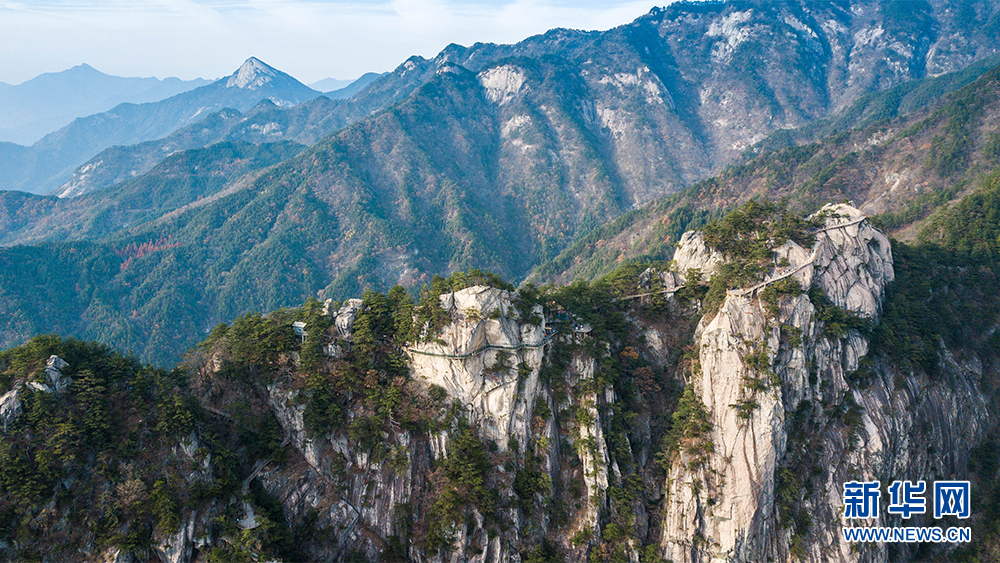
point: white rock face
(358, 494)
(591, 447)
(80, 181)
(747, 449)
(626, 82)
(118, 555)
(289, 415)
(477, 363)
(344, 318)
(56, 381)
(502, 83)
(251, 75)
(10, 407)
(693, 253)
(732, 33)
(513, 124)
(667, 281)
(852, 262)
(178, 548)
(53, 370)
(343, 321)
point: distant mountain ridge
(490, 156)
(353, 87)
(717, 97)
(264, 123)
(330, 84)
(179, 180)
(48, 163)
(30, 110)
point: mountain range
(755, 246)
(426, 168)
(330, 84)
(353, 87)
(339, 89)
(901, 168)
(47, 163)
(51, 101)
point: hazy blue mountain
(182, 179)
(48, 163)
(348, 90)
(329, 84)
(50, 101)
(119, 163)
(266, 122)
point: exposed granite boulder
(693, 253)
(10, 407)
(853, 260)
(58, 381)
(476, 359)
(343, 318)
(752, 377)
(178, 547)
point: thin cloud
(309, 39)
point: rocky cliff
(488, 364)
(792, 405)
(792, 419)
(483, 369)
(679, 413)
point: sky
(309, 39)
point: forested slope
(897, 170)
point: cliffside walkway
(792, 271)
(742, 292)
(674, 289)
(842, 225)
(482, 349)
(788, 272)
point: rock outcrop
(58, 381)
(571, 422)
(487, 358)
(693, 254)
(10, 407)
(758, 369)
(55, 382)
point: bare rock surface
(752, 379)
(476, 359)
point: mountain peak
(84, 67)
(252, 74)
